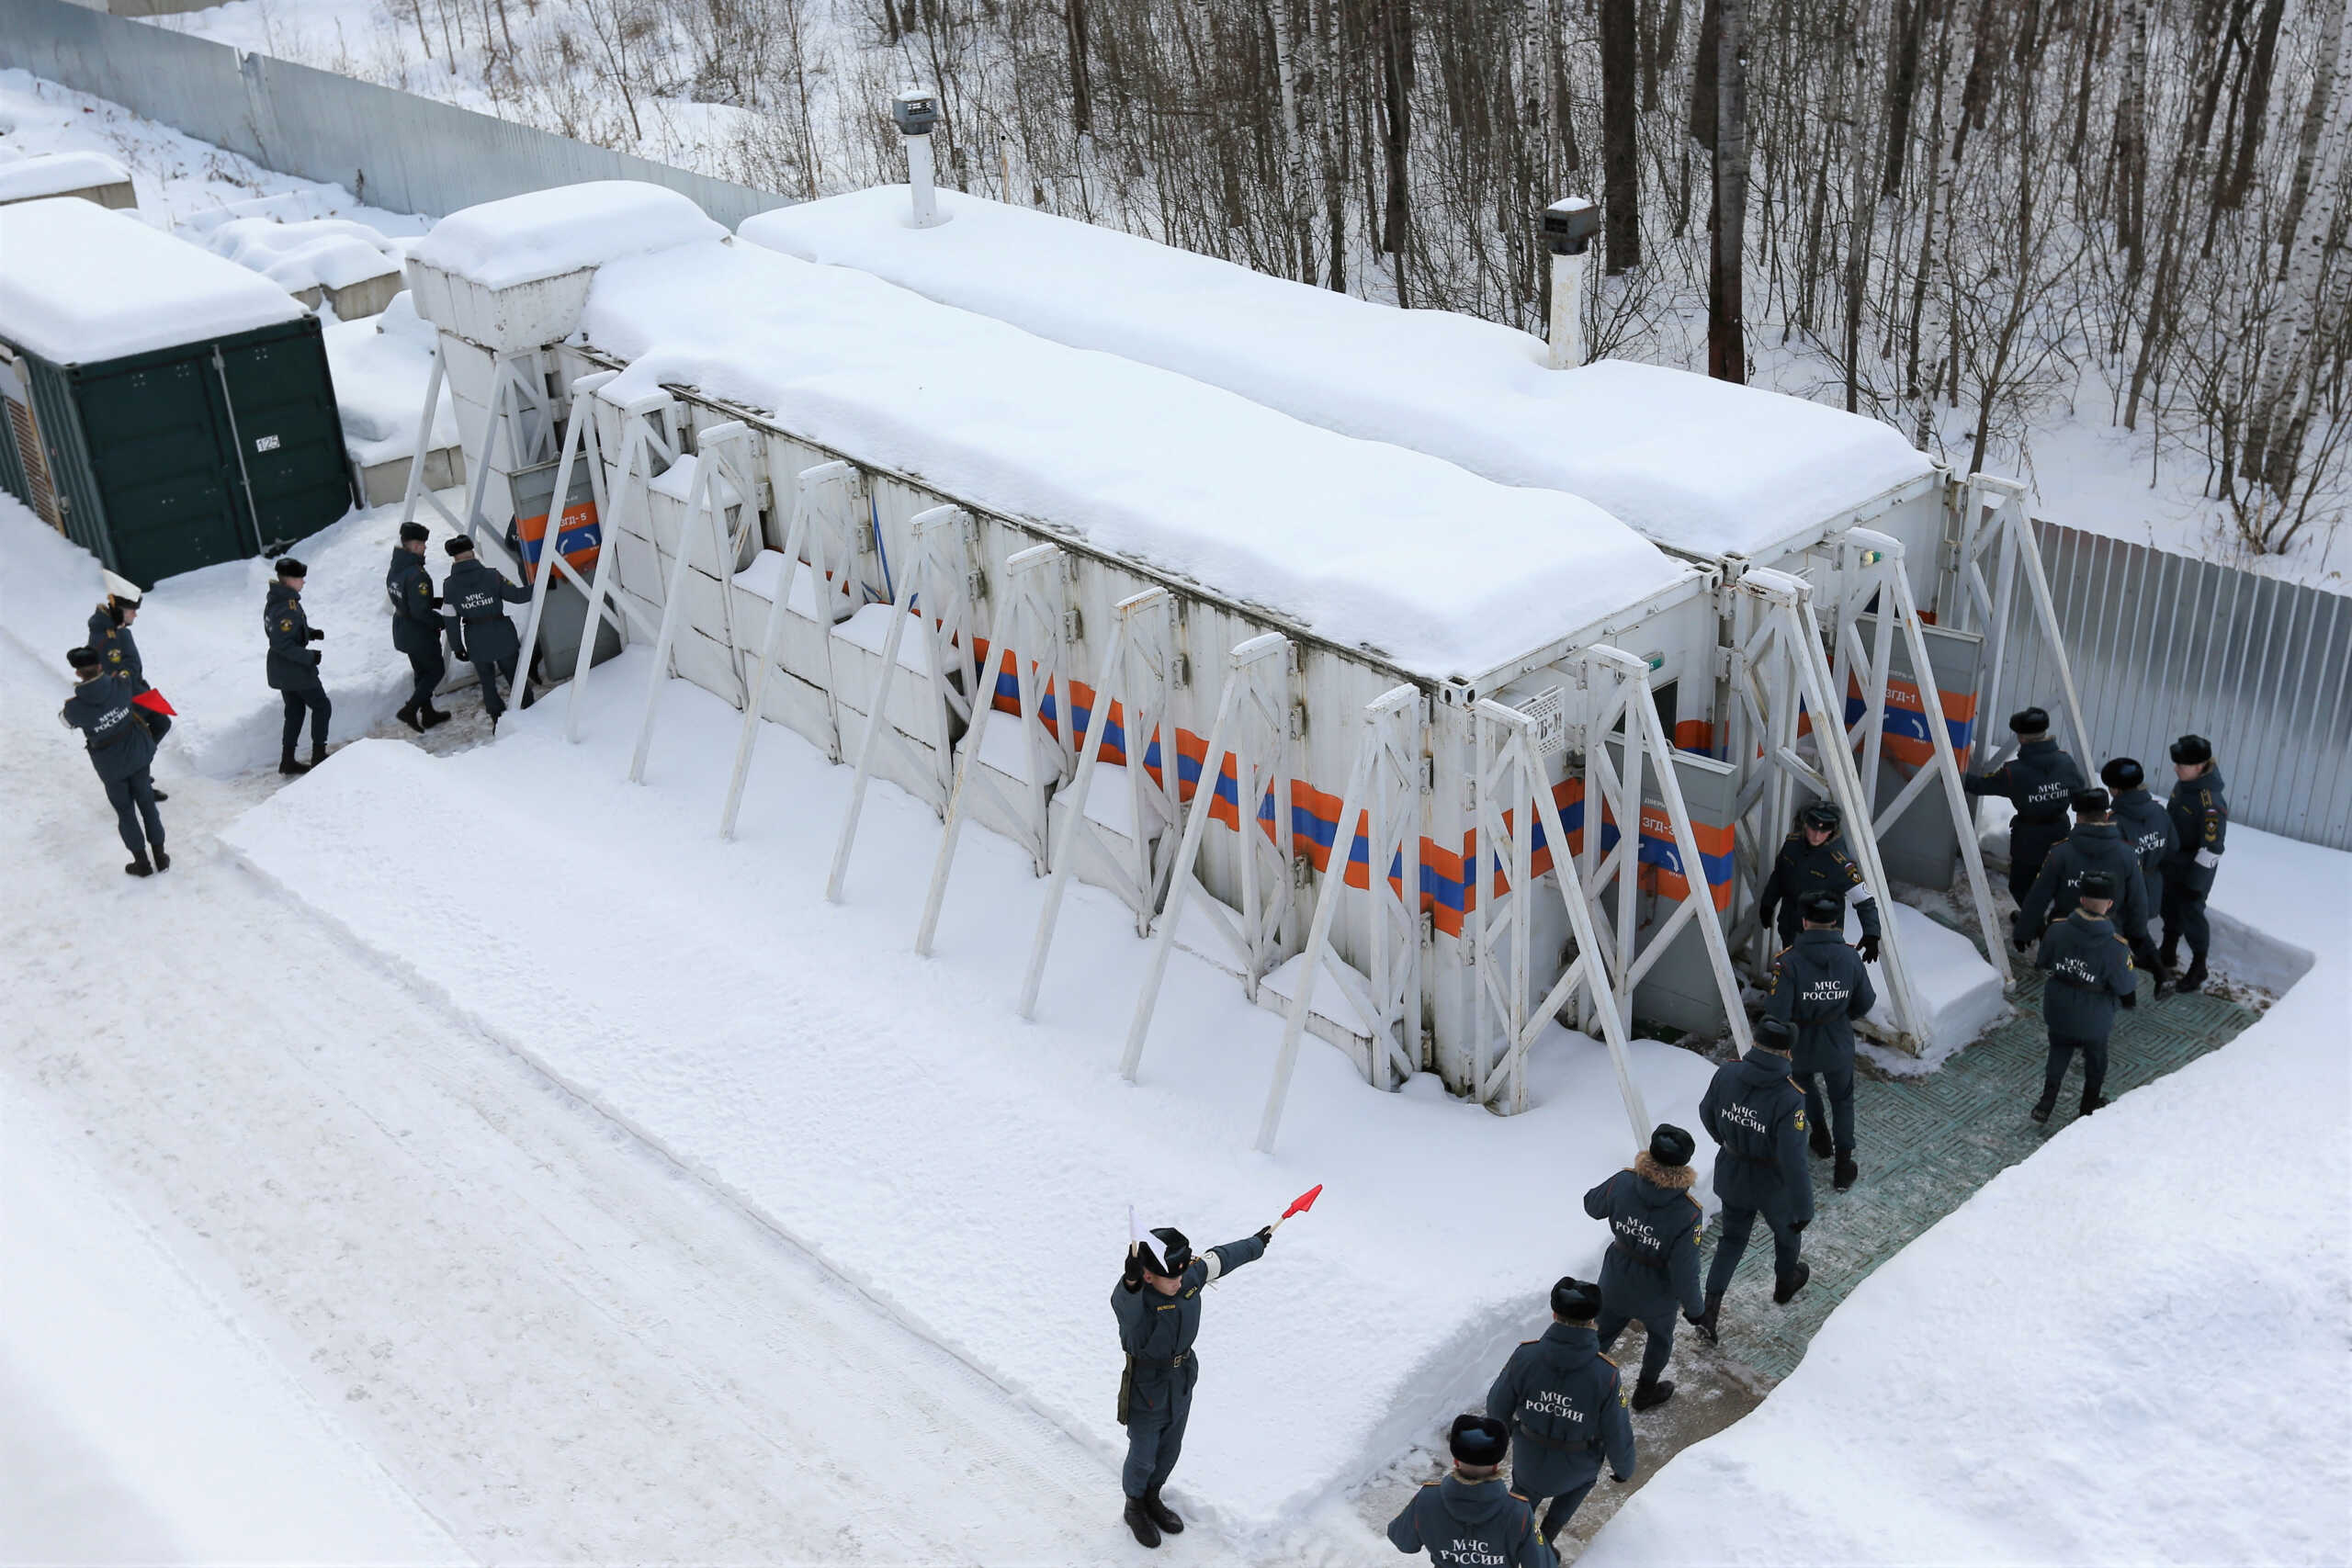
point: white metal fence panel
(2164, 644)
(391, 148)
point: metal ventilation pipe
(1568, 226)
(916, 110)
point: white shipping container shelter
(763, 428)
(1735, 477)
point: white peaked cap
(123, 588)
(1140, 1234)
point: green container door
(163, 466)
(281, 406)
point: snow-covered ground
(2136, 1346)
(895, 1116)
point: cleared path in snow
(562, 1346)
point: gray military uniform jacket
(1819, 987)
(115, 644)
(1471, 1523)
(2092, 846)
(1758, 1116)
(1803, 869)
(2041, 781)
(2089, 969)
(1158, 1331)
(416, 624)
(1565, 1403)
(293, 663)
(2200, 821)
(2147, 831)
(119, 744)
(479, 595)
(1652, 1265)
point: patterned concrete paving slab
(1926, 1144)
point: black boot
(161, 796)
(2170, 955)
(2044, 1106)
(406, 712)
(1650, 1395)
(139, 868)
(1846, 1172)
(162, 861)
(1788, 1285)
(432, 715)
(1709, 1321)
(318, 752)
(289, 766)
(2094, 1102)
(2195, 980)
(1139, 1522)
(1170, 1521)
(1819, 1139)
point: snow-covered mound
(2129, 1348)
(1701, 465)
(54, 174)
(544, 233)
(381, 366)
(315, 253)
(968, 1171)
(1367, 544)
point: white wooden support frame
(1512, 780)
(716, 470)
(642, 447)
(1133, 620)
(1249, 665)
(580, 446)
(516, 403)
(808, 485)
(1995, 527)
(1386, 765)
(1028, 601)
(932, 592)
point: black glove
(1133, 1278)
(1265, 1235)
(314, 634)
(1868, 948)
(2018, 940)
(459, 649)
(436, 601)
(2128, 1000)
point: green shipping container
(183, 453)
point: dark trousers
(2029, 845)
(2061, 1051)
(1656, 1349)
(315, 702)
(426, 665)
(1839, 1117)
(1737, 1225)
(489, 669)
(1563, 1508)
(133, 800)
(1154, 1437)
(2184, 916)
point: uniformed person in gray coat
(1814, 859)
(2096, 844)
(293, 666)
(2200, 821)
(111, 641)
(1819, 987)
(1473, 1518)
(1757, 1115)
(121, 751)
(417, 628)
(2089, 975)
(1563, 1402)
(2144, 821)
(1650, 1273)
(1158, 1304)
(480, 632)
(2038, 781)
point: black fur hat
(2091, 803)
(2030, 721)
(1823, 908)
(1572, 1297)
(2191, 750)
(414, 533)
(289, 567)
(459, 545)
(1478, 1440)
(2123, 772)
(1671, 1145)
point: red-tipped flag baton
(1299, 1204)
(152, 701)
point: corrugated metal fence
(2164, 644)
(391, 148)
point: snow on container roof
(1369, 545)
(54, 174)
(80, 284)
(1702, 465)
(545, 233)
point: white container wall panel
(806, 651)
(708, 664)
(911, 773)
(524, 315)
(857, 672)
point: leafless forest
(1952, 215)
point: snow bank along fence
(1228, 755)
(391, 148)
(2165, 643)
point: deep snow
(543, 233)
(382, 365)
(967, 1170)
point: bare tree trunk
(1082, 85)
(2330, 43)
(2257, 108)
(1726, 329)
(1902, 90)
(1397, 130)
(1620, 168)
(2268, 455)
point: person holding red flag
(121, 750)
(110, 639)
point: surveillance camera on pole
(1568, 226)
(916, 110)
